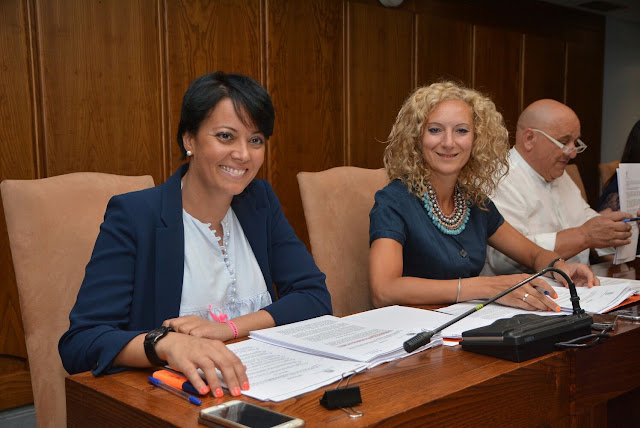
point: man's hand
(607, 230)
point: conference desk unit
(443, 386)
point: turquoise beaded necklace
(452, 224)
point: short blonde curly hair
(403, 157)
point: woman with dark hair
(631, 154)
(180, 268)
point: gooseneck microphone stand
(424, 337)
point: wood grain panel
(101, 86)
(544, 65)
(17, 161)
(304, 71)
(380, 76)
(497, 70)
(206, 36)
(444, 50)
(585, 67)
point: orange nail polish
(245, 386)
(204, 390)
(219, 392)
(236, 391)
(557, 308)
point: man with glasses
(541, 201)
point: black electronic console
(523, 337)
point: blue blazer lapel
(169, 263)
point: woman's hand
(579, 273)
(188, 353)
(532, 296)
(200, 327)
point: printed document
(341, 338)
(292, 359)
(629, 193)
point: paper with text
(277, 373)
(334, 337)
(629, 193)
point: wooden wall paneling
(380, 46)
(206, 36)
(305, 80)
(17, 142)
(585, 68)
(543, 69)
(100, 70)
(497, 70)
(444, 50)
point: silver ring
(524, 299)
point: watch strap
(150, 341)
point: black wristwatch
(150, 341)
(553, 262)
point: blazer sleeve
(301, 286)
(102, 310)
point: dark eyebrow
(226, 127)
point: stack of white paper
(292, 359)
(595, 300)
(277, 374)
(632, 284)
(341, 338)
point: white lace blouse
(226, 277)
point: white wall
(621, 91)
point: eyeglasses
(578, 146)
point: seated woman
(171, 263)
(610, 197)
(430, 226)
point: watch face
(150, 344)
(156, 334)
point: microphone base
(523, 337)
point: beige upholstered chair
(574, 173)
(336, 206)
(607, 170)
(53, 224)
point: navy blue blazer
(133, 281)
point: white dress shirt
(538, 209)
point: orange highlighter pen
(175, 380)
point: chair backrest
(607, 170)
(574, 173)
(52, 225)
(336, 205)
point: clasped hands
(198, 343)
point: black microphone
(424, 337)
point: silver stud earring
(189, 153)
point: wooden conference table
(446, 386)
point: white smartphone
(239, 414)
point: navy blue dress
(427, 252)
